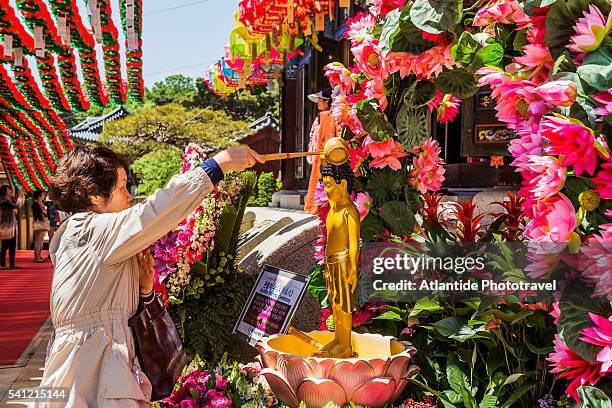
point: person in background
(8, 225)
(323, 128)
(42, 224)
(53, 219)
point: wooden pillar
(288, 130)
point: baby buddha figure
(341, 258)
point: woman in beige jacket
(96, 281)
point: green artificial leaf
(371, 227)
(447, 327)
(453, 397)
(409, 39)
(466, 333)
(458, 382)
(494, 361)
(385, 185)
(520, 40)
(542, 350)
(374, 122)
(592, 397)
(575, 304)
(530, 5)
(411, 126)
(388, 316)
(436, 16)
(390, 29)
(459, 82)
(518, 393)
(455, 376)
(465, 49)
(426, 305)
(419, 94)
(513, 378)
(563, 64)
(505, 34)
(398, 217)
(561, 18)
(596, 68)
(316, 285)
(488, 401)
(491, 54)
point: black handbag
(158, 347)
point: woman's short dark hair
(36, 194)
(83, 173)
(4, 190)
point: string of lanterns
(267, 34)
(33, 137)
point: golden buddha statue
(341, 258)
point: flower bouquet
(201, 252)
(227, 385)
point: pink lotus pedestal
(374, 379)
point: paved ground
(27, 372)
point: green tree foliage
(266, 186)
(77, 117)
(171, 124)
(154, 169)
(175, 88)
(245, 106)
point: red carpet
(24, 304)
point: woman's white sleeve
(133, 230)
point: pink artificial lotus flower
(375, 89)
(600, 335)
(527, 144)
(537, 60)
(596, 264)
(338, 74)
(571, 140)
(501, 11)
(427, 155)
(446, 106)
(605, 99)
(430, 179)
(340, 110)
(591, 30)
(518, 104)
(544, 175)
(369, 59)
(390, 159)
(553, 219)
(360, 27)
(603, 180)
(383, 7)
(378, 149)
(385, 153)
(363, 202)
(428, 164)
(558, 93)
(573, 367)
(426, 65)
